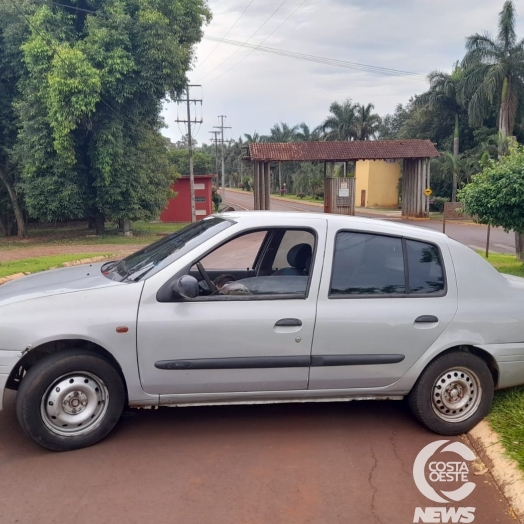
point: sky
(255, 90)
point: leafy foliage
(496, 195)
(90, 95)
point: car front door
(245, 343)
(383, 301)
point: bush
(437, 204)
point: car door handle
(426, 319)
(289, 322)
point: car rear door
(383, 301)
(220, 344)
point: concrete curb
(16, 276)
(504, 470)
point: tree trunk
(508, 105)
(100, 224)
(279, 176)
(14, 202)
(456, 140)
(519, 245)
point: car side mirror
(185, 287)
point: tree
(203, 163)
(10, 73)
(281, 133)
(444, 94)
(308, 135)
(255, 137)
(340, 125)
(89, 103)
(367, 123)
(391, 125)
(495, 73)
(496, 195)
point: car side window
(367, 264)
(245, 266)
(239, 253)
(425, 272)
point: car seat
(299, 259)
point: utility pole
(188, 100)
(222, 127)
(215, 140)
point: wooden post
(487, 241)
(267, 187)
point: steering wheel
(205, 276)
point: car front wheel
(453, 394)
(70, 400)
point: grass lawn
(79, 234)
(33, 265)
(505, 263)
(507, 415)
(507, 419)
(305, 199)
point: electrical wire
(270, 34)
(227, 32)
(235, 52)
(322, 60)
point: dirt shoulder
(60, 249)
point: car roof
(275, 218)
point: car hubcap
(74, 404)
(456, 395)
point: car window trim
(406, 294)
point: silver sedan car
(262, 307)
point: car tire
(453, 394)
(70, 400)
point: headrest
(298, 255)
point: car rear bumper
(8, 360)
(510, 362)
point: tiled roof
(342, 151)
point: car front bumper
(8, 360)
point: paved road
(336, 463)
(472, 235)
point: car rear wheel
(453, 394)
(70, 400)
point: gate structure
(415, 155)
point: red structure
(179, 208)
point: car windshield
(158, 255)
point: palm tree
(255, 137)
(367, 123)
(281, 133)
(306, 134)
(340, 125)
(445, 95)
(495, 72)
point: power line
(227, 32)
(234, 53)
(274, 30)
(319, 59)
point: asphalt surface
(325, 463)
(472, 235)
(347, 463)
